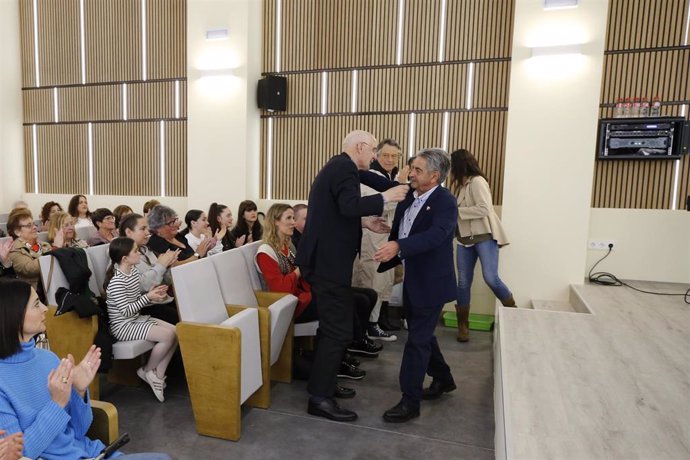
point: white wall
(649, 244)
(553, 108)
(223, 124)
(11, 142)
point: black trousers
(336, 315)
(165, 311)
(422, 354)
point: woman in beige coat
(480, 235)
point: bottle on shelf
(655, 111)
(644, 107)
(618, 109)
(635, 111)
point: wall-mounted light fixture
(559, 4)
(217, 34)
(558, 50)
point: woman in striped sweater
(125, 299)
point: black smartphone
(114, 446)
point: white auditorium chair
(99, 260)
(249, 253)
(68, 333)
(84, 233)
(276, 312)
(220, 347)
(43, 237)
(3, 226)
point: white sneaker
(157, 384)
(142, 375)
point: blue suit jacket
(428, 249)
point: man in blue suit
(422, 239)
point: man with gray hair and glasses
(422, 239)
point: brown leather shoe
(463, 315)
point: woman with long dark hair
(41, 395)
(480, 235)
(248, 224)
(78, 208)
(198, 230)
(220, 220)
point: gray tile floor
(460, 425)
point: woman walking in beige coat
(480, 235)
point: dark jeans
(422, 354)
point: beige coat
(476, 213)
(25, 261)
(364, 272)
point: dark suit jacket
(428, 249)
(332, 234)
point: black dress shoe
(344, 392)
(437, 388)
(365, 347)
(330, 409)
(402, 412)
(348, 371)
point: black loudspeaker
(271, 93)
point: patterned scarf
(286, 262)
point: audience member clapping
(79, 209)
(61, 232)
(11, 446)
(220, 220)
(125, 301)
(153, 271)
(198, 230)
(26, 248)
(248, 225)
(47, 212)
(42, 396)
(164, 226)
(104, 221)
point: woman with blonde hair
(480, 235)
(61, 233)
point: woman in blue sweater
(41, 395)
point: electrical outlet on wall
(601, 245)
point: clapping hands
(84, 373)
(11, 446)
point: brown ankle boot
(509, 302)
(463, 315)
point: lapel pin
(428, 208)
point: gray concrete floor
(460, 425)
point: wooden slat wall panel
(38, 105)
(29, 160)
(58, 42)
(646, 24)
(638, 33)
(183, 99)
(483, 134)
(479, 29)
(126, 158)
(412, 88)
(166, 38)
(339, 97)
(176, 158)
(647, 74)
(300, 34)
(62, 158)
(90, 103)
(151, 100)
(421, 31)
(269, 36)
(491, 82)
(304, 93)
(113, 40)
(26, 36)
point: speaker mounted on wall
(271, 93)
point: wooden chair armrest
(234, 309)
(266, 298)
(105, 421)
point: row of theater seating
(234, 337)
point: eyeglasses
(173, 222)
(109, 218)
(31, 225)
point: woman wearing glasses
(164, 226)
(61, 233)
(104, 220)
(26, 249)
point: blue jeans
(145, 456)
(487, 252)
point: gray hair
(436, 160)
(159, 216)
